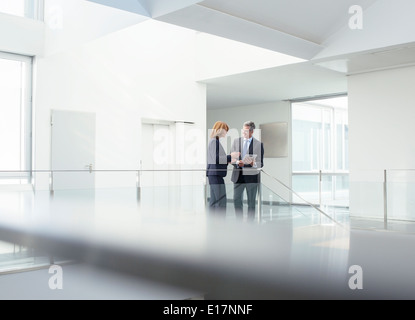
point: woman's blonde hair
(218, 128)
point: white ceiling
(300, 28)
(313, 20)
(294, 27)
(308, 79)
(300, 80)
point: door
(73, 149)
(157, 158)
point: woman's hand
(235, 156)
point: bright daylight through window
(15, 117)
(320, 146)
(22, 8)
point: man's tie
(245, 148)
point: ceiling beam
(204, 19)
(148, 8)
(134, 6)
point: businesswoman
(218, 161)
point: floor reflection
(298, 241)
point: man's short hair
(250, 124)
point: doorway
(157, 158)
(72, 149)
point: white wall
(21, 35)
(145, 71)
(279, 111)
(381, 126)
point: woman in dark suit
(218, 162)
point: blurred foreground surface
(219, 258)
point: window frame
(33, 9)
(26, 122)
(334, 172)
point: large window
(32, 9)
(15, 117)
(320, 150)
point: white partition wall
(381, 120)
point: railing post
(138, 186)
(51, 183)
(259, 198)
(385, 200)
(205, 192)
(51, 192)
(320, 179)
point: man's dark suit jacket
(251, 175)
(217, 159)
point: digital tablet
(249, 158)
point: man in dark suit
(246, 174)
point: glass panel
(341, 192)
(366, 199)
(400, 191)
(277, 209)
(346, 147)
(300, 211)
(326, 189)
(335, 190)
(307, 186)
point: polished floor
(306, 235)
(301, 215)
(15, 257)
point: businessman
(245, 174)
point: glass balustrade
(81, 198)
(400, 194)
(322, 188)
(382, 200)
